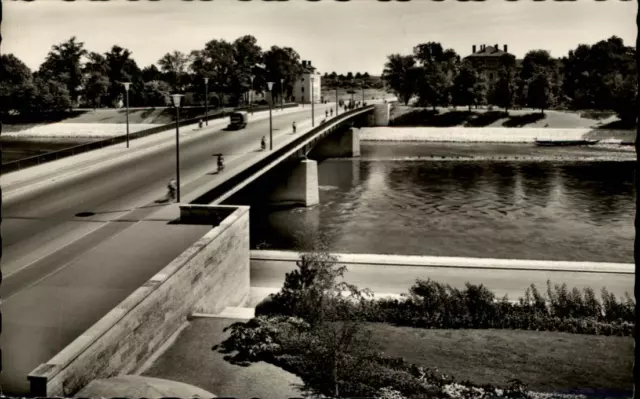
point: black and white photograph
(319, 199)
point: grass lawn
(416, 116)
(545, 361)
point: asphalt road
(43, 235)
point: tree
(469, 86)
(247, 54)
(156, 93)
(63, 64)
(51, 96)
(96, 79)
(151, 73)
(401, 76)
(175, 64)
(16, 85)
(216, 62)
(504, 91)
(366, 75)
(333, 309)
(433, 85)
(122, 68)
(96, 87)
(349, 76)
(540, 91)
(283, 63)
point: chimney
(474, 49)
(505, 48)
(483, 47)
(496, 48)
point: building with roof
(302, 88)
(487, 59)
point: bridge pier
(381, 115)
(339, 145)
(301, 187)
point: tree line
(351, 81)
(595, 77)
(72, 76)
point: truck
(238, 120)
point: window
(302, 88)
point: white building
(302, 88)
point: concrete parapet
(209, 276)
(342, 143)
(301, 187)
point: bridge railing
(94, 145)
(225, 189)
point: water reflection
(556, 211)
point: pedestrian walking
(294, 126)
(331, 111)
(326, 113)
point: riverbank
(522, 135)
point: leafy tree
(401, 76)
(349, 76)
(156, 93)
(283, 63)
(151, 73)
(122, 68)
(358, 76)
(366, 75)
(504, 91)
(433, 85)
(63, 64)
(96, 87)
(96, 78)
(469, 86)
(333, 75)
(51, 96)
(175, 64)
(216, 61)
(16, 85)
(540, 91)
(247, 54)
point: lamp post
(251, 93)
(126, 89)
(206, 101)
(176, 103)
(362, 86)
(336, 100)
(281, 94)
(270, 86)
(313, 116)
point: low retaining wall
(493, 134)
(210, 275)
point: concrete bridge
(337, 137)
(70, 254)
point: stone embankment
(494, 134)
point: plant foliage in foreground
(314, 329)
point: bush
(434, 305)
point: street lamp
(176, 103)
(126, 89)
(313, 117)
(251, 93)
(281, 94)
(362, 86)
(270, 86)
(336, 100)
(206, 101)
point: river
(392, 200)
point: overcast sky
(354, 36)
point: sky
(353, 36)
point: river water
(392, 200)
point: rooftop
(488, 51)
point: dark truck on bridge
(238, 120)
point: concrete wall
(339, 144)
(382, 114)
(209, 276)
(493, 134)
